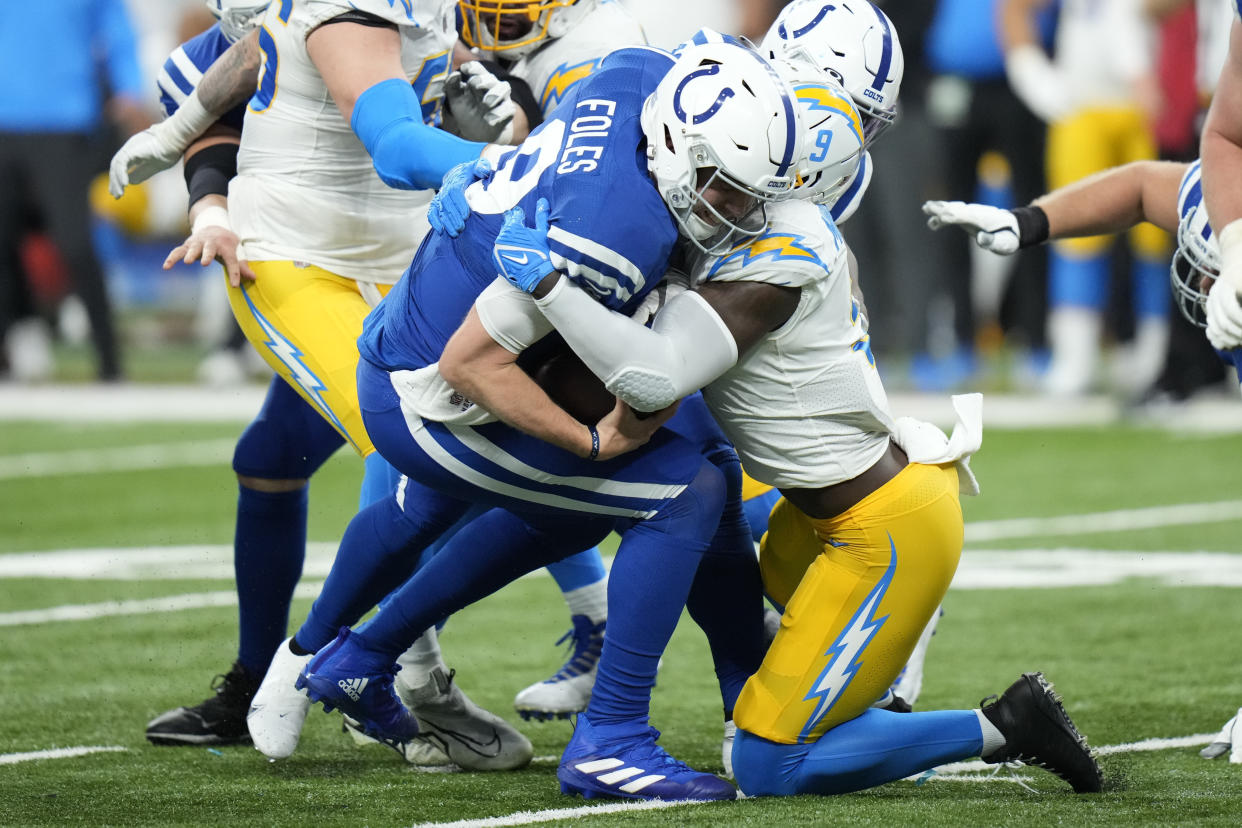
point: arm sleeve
(510, 316)
(209, 171)
(686, 347)
(407, 154)
(116, 34)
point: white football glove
(994, 229)
(158, 147)
(1228, 740)
(481, 104)
(1224, 317)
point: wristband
(213, 216)
(1032, 225)
(594, 443)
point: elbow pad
(687, 347)
(406, 153)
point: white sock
(420, 659)
(1074, 334)
(992, 738)
(590, 600)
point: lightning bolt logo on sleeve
(562, 80)
(771, 246)
(845, 654)
(299, 373)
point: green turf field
(1141, 639)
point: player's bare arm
(1221, 151)
(1115, 200)
(474, 364)
(231, 79)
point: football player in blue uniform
(425, 385)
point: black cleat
(218, 720)
(1038, 731)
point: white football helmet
(853, 42)
(513, 28)
(237, 17)
(721, 118)
(832, 133)
(1196, 262)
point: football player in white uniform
(339, 151)
(866, 540)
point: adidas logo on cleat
(613, 771)
(353, 687)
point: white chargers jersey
(306, 190)
(1102, 48)
(804, 407)
(553, 68)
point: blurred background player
(552, 45)
(1099, 96)
(54, 107)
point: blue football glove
(521, 252)
(448, 209)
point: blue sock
(269, 545)
(877, 747)
(647, 589)
(491, 551)
(380, 550)
(1077, 281)
(726, 599)
(579, 570)
(1151, 287)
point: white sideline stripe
(143, 606)
(535, 817)
(979, 569)
(1143, 745)
(58, 753)
(121, 458)
(1115, 521)
(133, 402)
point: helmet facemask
(237, 19)
(1195, 267)
(722, 136)
(510, 29)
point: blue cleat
(601, 762)
(345, 675)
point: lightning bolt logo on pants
(300, 373)
(845, 653)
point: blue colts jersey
(609, 229)
(184, 69)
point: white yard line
(58, 753)
(974, 771)
(1184, 514)
(126, 458)
(143, 606)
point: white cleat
(1229, 740)
(470, 736)
(279, 709)
(422, 751)
(569, 691)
